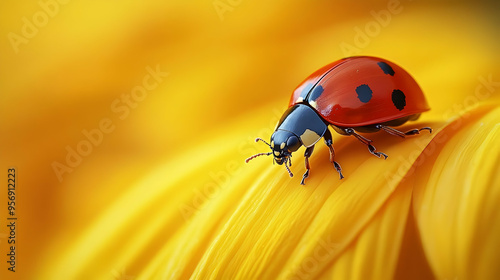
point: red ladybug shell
(359, 91)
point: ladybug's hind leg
(396, 132)
(367, 142)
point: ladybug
(355, 94)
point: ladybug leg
(307, 154)
(287, 164)
(391, 131)
(417, 131)
(396, 132)
(329, 143)
(367, 142)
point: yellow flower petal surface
(457, 204)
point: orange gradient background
(230, 75)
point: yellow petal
(456, 204)
(374, 253)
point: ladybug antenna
(288, 169)
(257, 155)
(260, 139)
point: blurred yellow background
(165, 87)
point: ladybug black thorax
(299, 125)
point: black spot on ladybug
(386, 68)
(316, 92)
(399, 99)
(364, 93)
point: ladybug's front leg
(329, 143)
(365, 141)
(307, 154)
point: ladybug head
(283, 144)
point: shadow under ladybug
(356, 94)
